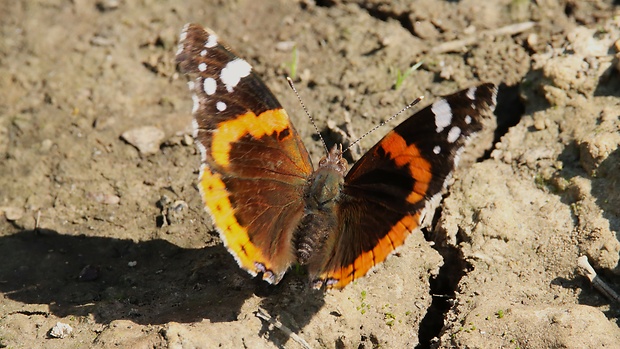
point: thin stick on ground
(457, 45)
(261, 314)
(584, 268)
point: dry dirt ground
(113, 241)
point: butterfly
(274, 210)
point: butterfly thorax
(321, 200)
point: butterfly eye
(343, 165)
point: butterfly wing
(254, 165)
(396, 186)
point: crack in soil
(378, 12)
(383, 15)
(442, 290)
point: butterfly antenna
(290, 83)
(416, 101)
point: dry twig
(458, 45)
(584, 268)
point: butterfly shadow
(292, 303)
(147, 282)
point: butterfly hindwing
(253, 164)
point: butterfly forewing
(254, 165)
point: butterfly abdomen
(315, 236)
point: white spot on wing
(211, 41)
(190, 85)
(454, 134)
(202, 66)
(203, 151)
(185, 28)
(426, 216)
(437, 149)
(182, 38)
(194, 128)
(233, 72)
(209, 86)
(196, 103)
(203, 53)
(221, 106)
(457, 157)
(471, 93)
(443, 114)
(467, 119)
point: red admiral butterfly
(273, 209)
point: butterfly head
(334, 160)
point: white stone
(146, 139)
(60, 330)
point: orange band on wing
(403, 155)
(229, 132)
(365, 261)
(235, 237)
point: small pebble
(89, 273)
(539, 124)
(175, 212)
(108, 199)
(146, 139)
(101, 41)
(61, 330)
(46, 145)
(108, 5)
(132, 264)
(532, 40)
(285, 45)
(12, 213)
(425, 30)
(187, 140)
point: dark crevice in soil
(377, 12)
(443, 286)
(509, 111)
(442, 290)
(325, 3)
